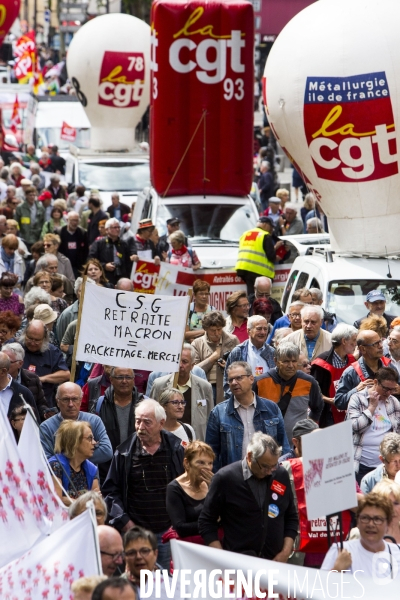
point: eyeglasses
(393, 341)
(267, 467)
(34, 341)
(365, 519)
(160, 487)
(294, 315)
(89, 438)
(121, 377)
(262, 294)
(68, 400)
(374, 345)
(238, 378)
(390, 390)
(114, 556)
(48, 245)
(305, 364)
(142, 551)
(177, 402)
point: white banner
(47, 572)
(138, 331)
(209, 573)
(328, 464)
(54, 513)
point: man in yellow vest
(256, 254)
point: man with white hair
(290, 223)
(117, 209)
(74, 243)
(255, 351)
(314, 225)
(112, 252)
(142, 466)
(49, 263)
(311, 339)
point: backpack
(98, 405)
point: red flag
(68, 133)
(15, 118)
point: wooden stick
(78, 327)
(190, 294)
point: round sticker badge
(274, 496)
(273, 511)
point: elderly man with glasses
(252, 501)
(361, 373)
(69, 396)
(232, 422)
(113, 252)
(117, 409)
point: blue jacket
(225, 429)
(369, 481)
(103, 451)
(89, 468)
(240, 353)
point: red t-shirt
(241, 332)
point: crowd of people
(215, 456)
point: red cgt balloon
(9, 10)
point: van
(345, 282)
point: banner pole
(190, 294)
(78, 327)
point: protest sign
(328, 465)
(138, 331)
(48, 570)
(204, 572)
(144, 276)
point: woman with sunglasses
(174, 405)
(374, 515)
(8, 299)
(72, 469)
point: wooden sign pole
(190, 294)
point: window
(315, 284)
(346, 298)
(288, 289)
(114, 176)
(302, 281)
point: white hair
(311, 309)
(260, 443)
(112, 221)
(154, 406)
(187, 346)
(296, 303)
(292, 206)
(251, 321)
(16, 348)
(342, 332)
(265, 164)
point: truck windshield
(346, 298)
(209, 222)
(51, 135)
(115, 176)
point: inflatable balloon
(108, 63)
(333, 102)
(202, 96)
(9, 11)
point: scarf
(8, 261)
(180, 252)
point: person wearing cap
(25, 184)
(164, 243)
(274, 210)
(290, 223)
(47, 202)
(376, 304)
(30, 216)
(143, 241)
(112, 252)
(117, 209)
(256, 254)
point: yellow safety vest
(251, 256)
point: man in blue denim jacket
(232, 423)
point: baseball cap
(45, 313)
(173, 221)
(265, 220)
(375, 295)
(303, 427)
(274, 199)
(45, 196)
